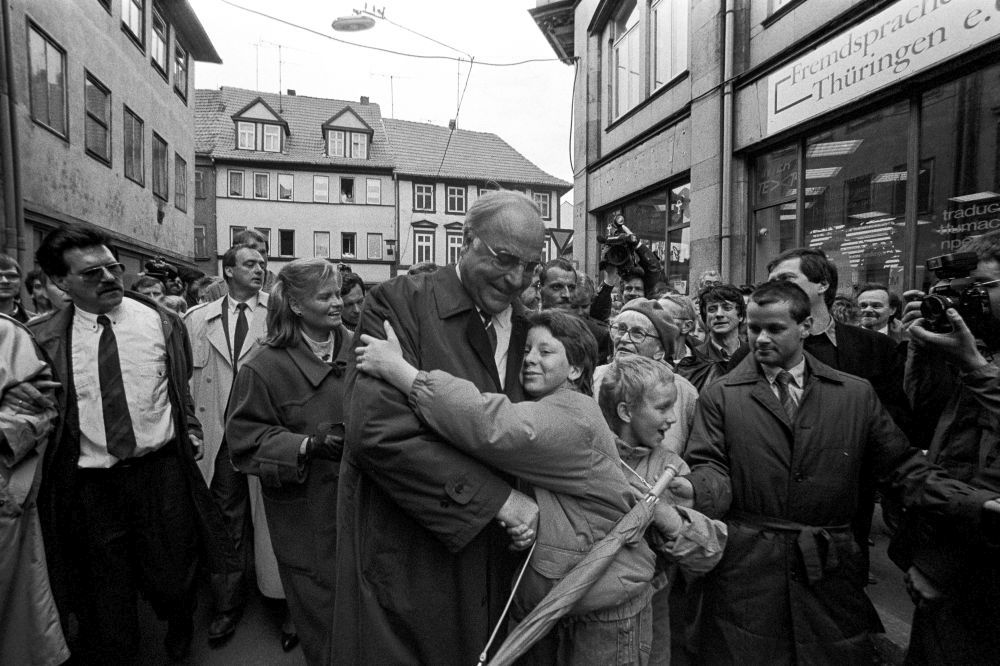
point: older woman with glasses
(285, 427)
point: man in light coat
(29, 623)
(222, 334)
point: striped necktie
(782, 381)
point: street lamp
(363, 19)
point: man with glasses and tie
(424, 565)
(778, 450)
(222, 333)
(123, 506)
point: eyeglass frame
(527, 265)
(621, 330)
(95, 274)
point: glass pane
(39, 90)
(777, 176)
(57, 90)
(647, 218)
(855, 195)
(679, 261)
(958, 200)
(773, 233)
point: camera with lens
(161, 270)
(955, 289)
(621, 249)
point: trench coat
(423, 570)
(52, 331)
(212, 375)
(790, 586)
(29, 624)
(282, 396)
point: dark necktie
(782, 381)
(241, 331)
(491, 331)
(117, 423)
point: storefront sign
(907, 37)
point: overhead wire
(454, 125)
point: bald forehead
(879, 295)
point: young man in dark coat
(423, 568)
(123, 505)
(779, 448)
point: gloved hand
(327, 443)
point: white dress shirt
(795, 387)
(142, 352)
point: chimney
(291, 92)
(364, 99)
(452, 125)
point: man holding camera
(953, 573)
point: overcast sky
(526, 105)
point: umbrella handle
(661, 483)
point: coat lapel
(475, 332)
(257, 329)
(215, 324)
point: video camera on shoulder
(160, 270)
(620, 249)
(955, 289)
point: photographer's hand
(959, 344)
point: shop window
(958, 195)
(775, 209)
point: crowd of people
(407, 470)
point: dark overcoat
(422, 569)
(790, 586)
(282, 396)
(52, 332)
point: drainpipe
(394, 268)
(726, 189)
(13, 208)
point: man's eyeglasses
(506, 261)
(96, 274)
(637, 335)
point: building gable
(349, 120)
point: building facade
(726, 132)
(440, 173)
(314, 176)
(100, 123)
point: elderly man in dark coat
(423, 568)
(779, 448)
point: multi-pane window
(200, 241)
(346, 190)
(626, 57)
(47, 64)
(134, 19)
(423, 196)
(132, 142)
(286, 242)
(180, 70)
(321, 188)
(236, 183)
(454, 247)
(349, 245)
(423, 246)
(246, 136)
(180, 182)
(199, 184)
(335, 143)
(374, 191)
(261, 185)
(542, 200)
(272, 138)
(669, 40)
(456, 199)
(158, 42)
(321, 244)
(161, 179)
(285, 181)
(359, 146)
(97, 125)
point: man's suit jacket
(212, 378)
(52, 331)
(423, 570)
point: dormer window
(347, 135)
(258, 127)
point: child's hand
(380, 357)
